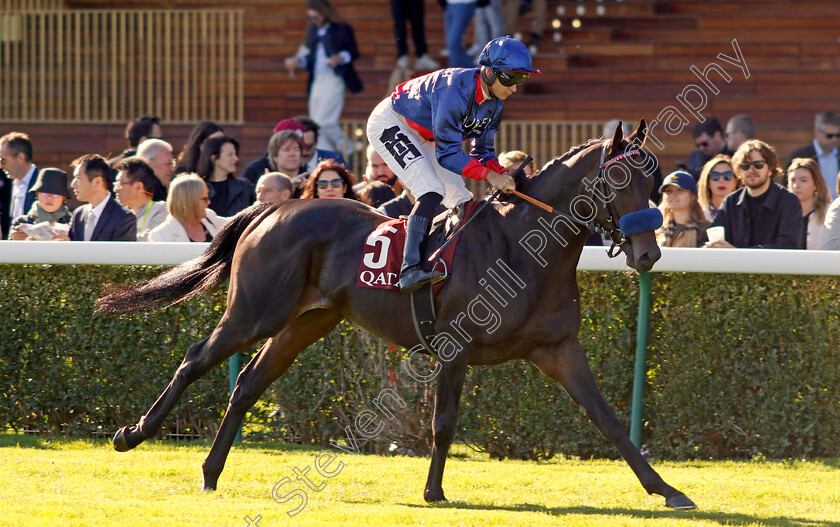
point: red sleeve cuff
(475, 170)
(495, 166)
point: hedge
(738, 366)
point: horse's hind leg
(224, 341)
(450, 382)
(271, 362)
(568, 364)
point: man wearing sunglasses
(708, 138)
(825, 148)
(419, 131)
(762, 214)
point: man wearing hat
(51, 191)
(419, 131)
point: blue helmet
(507, 54)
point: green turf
(61, 482)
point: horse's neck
(557, 186)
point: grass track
(58, 482)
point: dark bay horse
(293, 271)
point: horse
(292, 271)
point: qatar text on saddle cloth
(380, 266)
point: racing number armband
(475, 170)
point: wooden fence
(110, 66)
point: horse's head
(622, 191)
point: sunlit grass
(58, 482)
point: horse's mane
(575, 150)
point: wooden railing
(543, 140)
(30, 5)
(111, 66)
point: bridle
(613, 231)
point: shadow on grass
(719, 517)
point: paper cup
(716, 234)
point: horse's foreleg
(271, 362)
(200, 357)
(568, 364)
(447, 396)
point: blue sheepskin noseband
(640, 221)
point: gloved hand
(503, 181)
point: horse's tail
(188, 279)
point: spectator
(683, 224)
(216, 166)
(307, 130)
(136, 132)
(831, 235)
(717, 180)
(763, 214)
(487, 25)
(739, 129)
(135, 179)
(328, 56)
(330, 180)
(284, 151)
(21, 174)
(376, 193)
(824, 148)
(412, 11)
(101, 218)
(402, 205)
(378, 170)
(513, 158)
(188, 158)
(807, 184)
(274, 186)
(457, 17)
(189, 218)
(51, 191)
(158, 153)
(708, 138)
(311, 156)
(516, 8)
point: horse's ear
(640, 134)
(616, 140)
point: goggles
(511, 78)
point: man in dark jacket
(101, 218)
(825, 148)
(328, 56)
(762, 214)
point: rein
(614, 231)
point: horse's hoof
(205, 488)
(432, 497)
(680, 502)
(120, 441)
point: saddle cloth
(383, 252)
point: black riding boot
(412, 275)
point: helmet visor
(512, 78)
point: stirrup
(414, 278)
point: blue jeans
(457, 18)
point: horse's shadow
(722, 518)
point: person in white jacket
(189, 218)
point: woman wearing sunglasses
(717, 180)
(329, 180)
(419, 131)
(805, 180)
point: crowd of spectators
(733, 184)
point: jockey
(419, 130)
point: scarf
(39, 215)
